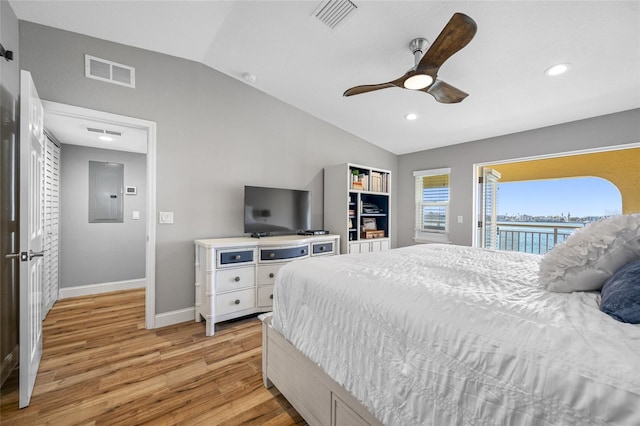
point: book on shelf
(379, 182)
(359, 180)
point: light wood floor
(101, 367)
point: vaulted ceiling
(300, 60)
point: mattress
(441, 334)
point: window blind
(432, 201)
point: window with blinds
(432, 202)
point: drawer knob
(236, 279)
(237, 257)
(271, 297)
(272, 255)
(271, 275)
(237, 301)
(322, 248)
(303, 251)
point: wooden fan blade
(458, 32)
(367, 88)
(399, 82)
(445, 93)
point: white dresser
(235, 276)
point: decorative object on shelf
(370, 208)
(367, 235)
(369, 224)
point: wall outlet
(165, 217)
(136, 215)
(460, 219)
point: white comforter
(441, 335)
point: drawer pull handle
(272, 255)
(271, 297)
(236, 279)
(237, 301)
(271, 275)
(237, 257)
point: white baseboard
(86, 290)
(175, 317)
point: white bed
(439, 335)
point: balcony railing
(536, 238)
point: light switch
(460, 219)
(136, 215)
(166, 217)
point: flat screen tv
(273, 211)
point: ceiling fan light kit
(418, 82)
(557, 69)
(458, 32)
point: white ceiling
(302, 62)
(74, 130)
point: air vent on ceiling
(333, 12)
(104, 132)
(104, 70)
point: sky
(578, 196)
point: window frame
(420, 234)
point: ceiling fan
(423, 76)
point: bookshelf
(356, 206)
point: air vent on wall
(333, 12)
(104, 70)
(104, 132)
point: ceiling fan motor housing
(418, 47)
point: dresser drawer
(322, 248)
(284, 253)
(235, 301)
(234, 279)
(265, 296)
(267, 273)
(234, 257)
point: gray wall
(215, 134)
(9, 119)
(93, 253)
(609, 130)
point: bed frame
(318, 398)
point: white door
(489, 208)
(31, 234)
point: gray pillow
(621, 294)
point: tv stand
(235, 276)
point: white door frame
(477, 166)
(54, 108)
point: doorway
(80, 126)
(617, 165)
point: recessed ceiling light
(106, 138)
(557, 69)
(411, 116)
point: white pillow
(590, 255)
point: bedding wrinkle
(440, 334)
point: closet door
(51, 224)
